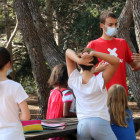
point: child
(12, 97)
(91, 93)
(61, 100)
(121, 117)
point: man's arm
(131, 59)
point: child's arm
(111, 69)
(66, 110)
(71, 58)
(25, 113)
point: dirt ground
(34, 109)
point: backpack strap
(61, 90)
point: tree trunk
(49, 16)
(51, 53)
(34, 47)
(136, 17)
(124, 22)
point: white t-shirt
(91, 99)
(11, 94)
(68, 97)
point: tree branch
(13, 34)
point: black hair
(88, 68)
(4, 57)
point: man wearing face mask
(114, 46)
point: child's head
(105, 15)
(4, 57)
(59, 75)
(117, 104)
(94, 62)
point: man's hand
(135, 62)
(136, 57)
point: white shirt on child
(91, 99)
(11, 94)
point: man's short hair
(105, 15)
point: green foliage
(10, 7)
(42, 5)
(79, 20)
(2, 25)
(84, 25)
(82, 30)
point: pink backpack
(55, 104)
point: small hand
(85, 59)
(136, 57)
(86, 55)
(101, 67)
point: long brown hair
(117, 104)
(59, 75)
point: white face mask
(111, 31)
